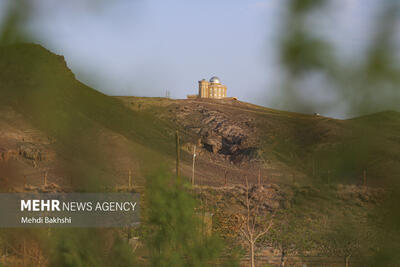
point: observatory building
(212, 88)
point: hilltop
(243, 139)
(52, 123)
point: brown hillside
(51, 123)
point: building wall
(203, 89)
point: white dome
(215, 79)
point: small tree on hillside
(251, 226)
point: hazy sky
(146, 47)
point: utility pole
(130, 179)
(194, 158)
(45, 178)
(259, 176)
(177, 154)
(365, 177)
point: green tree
(172, 229)
(90, 247)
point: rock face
(212, 143)
(27, 151)
(31, 152)
(220, 133)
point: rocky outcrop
(27, 151)
(220, 133)
(212, 143)
(31, 152)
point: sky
(145, 47)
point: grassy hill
(84, 136)
(83, 124)
(284, 146)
